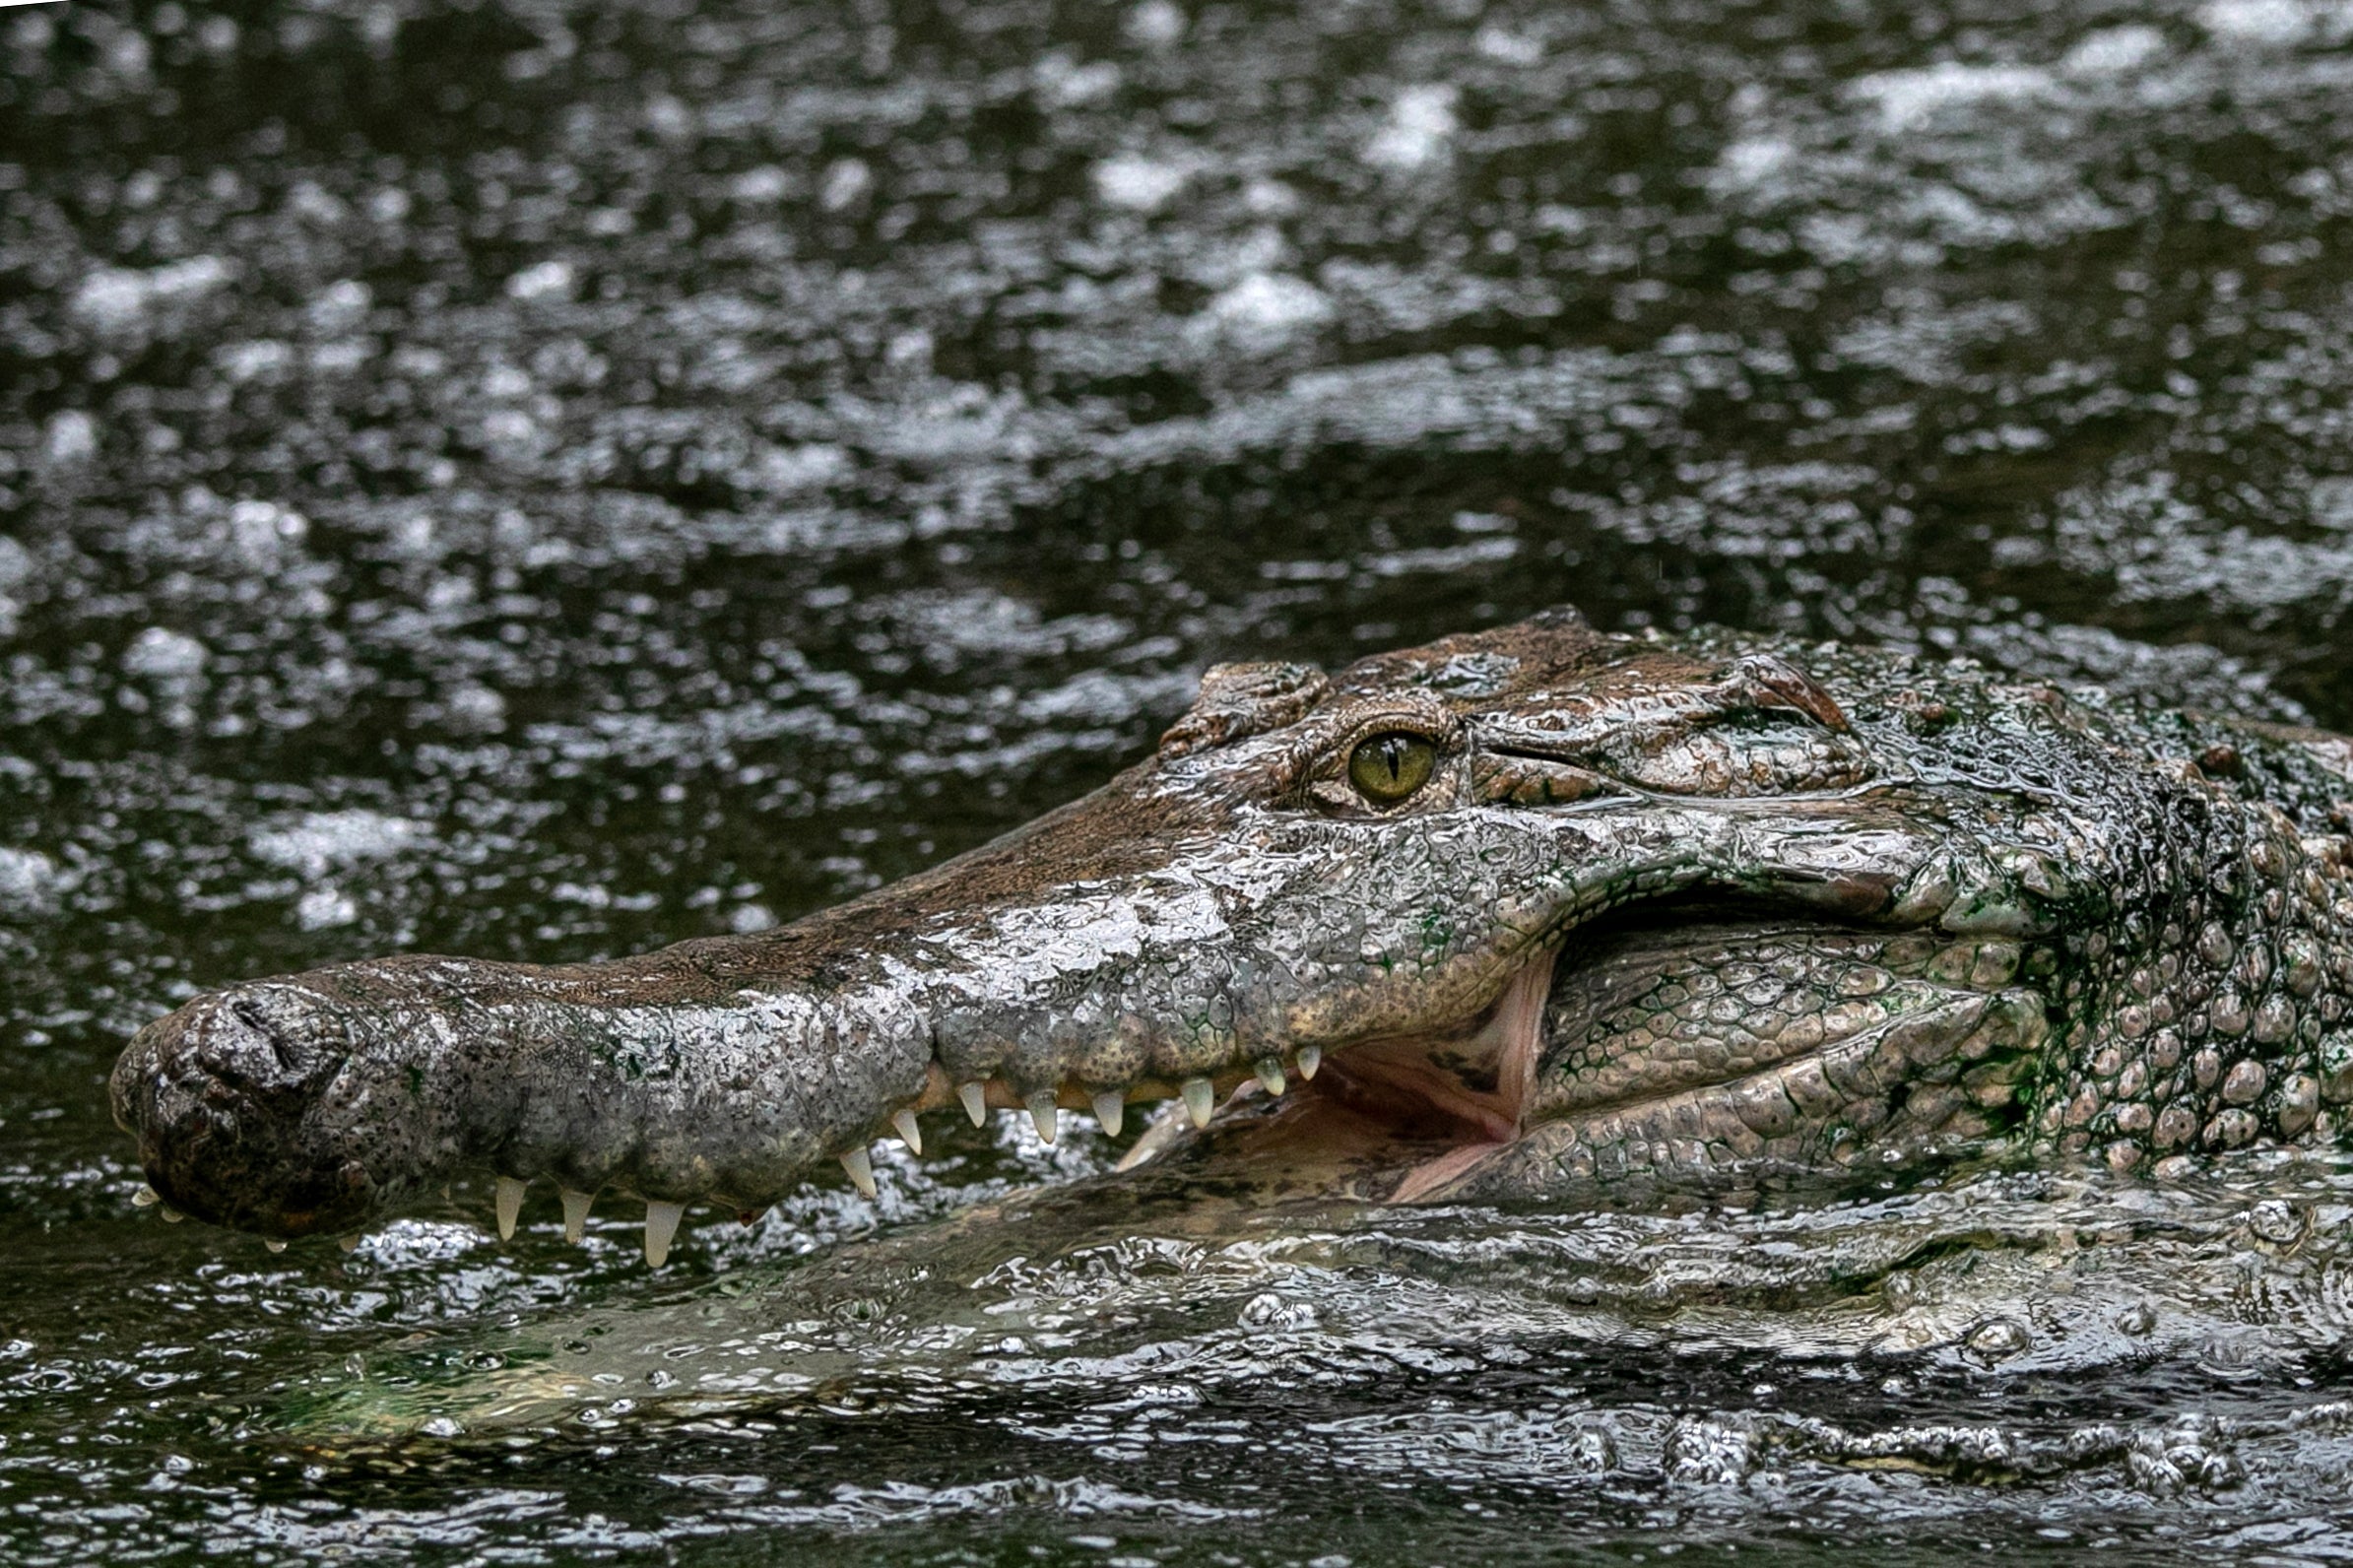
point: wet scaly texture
(544, 482)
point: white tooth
(275, 1244)
(172, 1216)
(1269, 1074)
(575, 1214)
(976, 1104)
(1111, 1109)
(661, 1223)
(1310, 1057)
(910, 1133)
(510, 1204)
(1043, 1116)
(861, 1169)
(145, 1196)
(1199, 1100)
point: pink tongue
(1434, 1175)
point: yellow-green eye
(1389, 767)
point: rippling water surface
(543, 480)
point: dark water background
(543, 480)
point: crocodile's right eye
(1386, 769)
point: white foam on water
(2272, 23)
(161, 654)
(1752, 159)
(1267, 310)
(1907, 98)
(323, 908)
(2111, 51)
(27, 878)
(1138, 183)
(1419, 129)
(118, 299)
(319, 841)
(548, 280)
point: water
(546, 480)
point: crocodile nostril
(269, 1046)
(289, 1055)
(293, 1055)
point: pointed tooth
(861, 1169)
(1269, 1074)
(275, 1243)
(661, 1223)
(510, 1204)
(910, 1131)
(1111, 1109)
(1310, 1057)
(1043, 1116)
(575, 1214)
(1199, 1100)
(145, 1198)
(976, 1103)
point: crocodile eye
(1387, 768)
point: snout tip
(220, 1094)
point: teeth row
(1110, 1107)
(662, 1219)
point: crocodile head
(1471, 916)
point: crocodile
(1486, 918)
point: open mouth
(1432, 1107)
(1394, 1118)
(1673, 1040)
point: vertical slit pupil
(1389, 767)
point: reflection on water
(547, 479)
(2001, 1357)
(1061, 1293)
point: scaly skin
(1677, 906)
